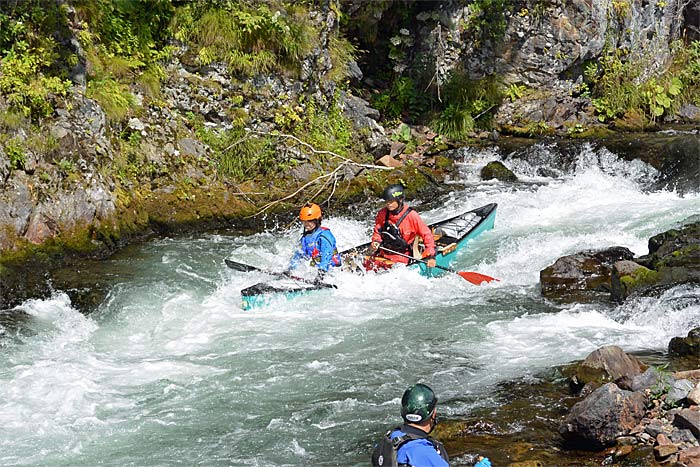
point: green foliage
(515, 92)
(15, 152)
(687, 66)
(614, 88)
(662, 386)
(323, 126)
(251, 38)
(658, 98)
(239, 154)
(29, 79)
(114, 97)
(342, 52)
(124, 41)
(469, 103)
(455, 122)
(617, 87)
(487, 19)
(134, 30)
(402, 99)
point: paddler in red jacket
(395, 228)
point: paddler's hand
(373, 248)
(430, 261)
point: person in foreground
(396, 227)
(316, 244)
(409, 444)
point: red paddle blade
(475, 277)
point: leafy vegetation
(29, 76)
(402, 99)
(618, 88)
(239, 154)
(251, 38)
(468, 104)
(487, 19)
(124, 42)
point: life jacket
(310, 243)
(391, 234)
(386, 451)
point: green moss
(640, 278)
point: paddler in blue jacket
(316, 244)
(410, 445)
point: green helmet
(418, 403)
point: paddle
(248, 268)
(473, 277)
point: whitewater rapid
(171, 371)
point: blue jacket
(318, 246)
(422, 452)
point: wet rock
(596, 421)
(497, 170)
(584, 276)
(628, 277)
(606, 364)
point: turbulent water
(171, 371)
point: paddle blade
(240, 266)
(475, 277)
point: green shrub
(240, 154)
(468, 104)
(618, 90)
(454, 121)
(251, 39)
(29, 77)
(15, 152)
(402, 99)
(114, 97)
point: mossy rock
(497, 170)
(639, 279)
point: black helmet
(393, 192)
(418, 403)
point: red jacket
(411, 226)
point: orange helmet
(310, 212)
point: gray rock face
(545, 46)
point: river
(170, 371)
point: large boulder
(583, 276)
(629, 277)
(689, 345)
(607, 413)
(606, 364)
(675, 256)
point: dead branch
(325, 179)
